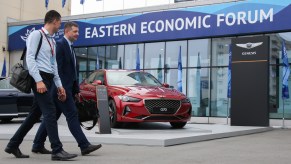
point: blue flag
(46, 3)
(160, 72)
(82, 2)
(63, 3)
(229, 72)
(3, 74)
(179, 83)
(137, 65)
(286, 72)
(97, 60)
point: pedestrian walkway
(148, 134)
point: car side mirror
(97, 82)
(166, 85)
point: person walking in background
(44, 71)
(67, 68)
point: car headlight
(128, 98)
(186, 100)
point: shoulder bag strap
(38, 48)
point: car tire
(178, 125)
(5, 120)
(113, 115)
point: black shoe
(90, 149)
(63, 156)
(16, 152)
(41, 151)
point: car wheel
(178, 125)
(6, 119)
(113, 115)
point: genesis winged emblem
(249, 45)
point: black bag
(21, 78)
(87, 111)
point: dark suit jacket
(66, 66)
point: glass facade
(204, 68)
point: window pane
(173, 51)
(201, 47)
(154, 52)
(220, 51)
(101, 56)
(92, 56)
(198, 91)
(172, 79)
(113, 58)
(81, 54)
(219, 100)
(131, 54)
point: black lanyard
(52, 48)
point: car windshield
(131, 78)
(4, 84)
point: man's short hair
(70, 25)
(51, 15)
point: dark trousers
(68, 108)
(42, 104)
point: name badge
(52, 61)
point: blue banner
(3, 73)
(241, 17)
(179, 82)
(63, 3)
(137, 64)
(286, 72)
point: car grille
(162, 106)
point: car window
(131, 78)
(91, 77)
(99, 76)
(4, 84)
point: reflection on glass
(172, 79)
(201, 47)
(131, 54)
(172, 53)
(198, 91)
(219, 99)
(220, 51)
(81, 54)
(154, 52)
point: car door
(8, 100)
(89, 90)
(24, 103)
(86, 88)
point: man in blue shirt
(66, 60)
(44, 71)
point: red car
(136, 96)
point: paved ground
(261, 148)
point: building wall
(23, 10)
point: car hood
(151, 91)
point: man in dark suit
(66, 61)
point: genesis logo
(249, 45)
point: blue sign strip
(243, 17)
